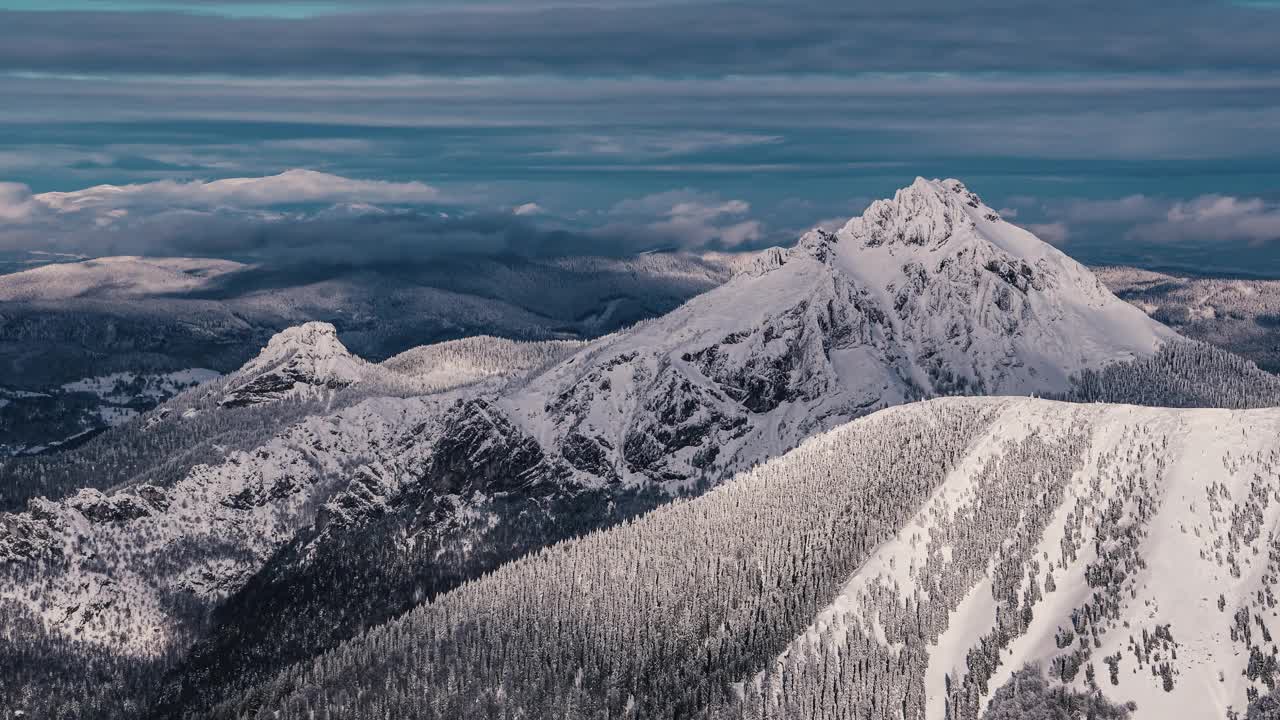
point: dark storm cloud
(685, 38)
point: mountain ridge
(925, 591)
(928, 294)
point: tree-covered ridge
(660, 615)
(1182, 374)
(856, 578)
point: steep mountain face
(908, 564)
(927, 294)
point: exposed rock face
(590, 455)
(117, 508)
(480, 449)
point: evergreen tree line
(1182, 374)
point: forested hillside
(906, 565)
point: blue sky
(1125, 131)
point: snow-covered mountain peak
(299, 359)
(926, 213)
(937, 238)
(930, 293)
(316, 339)
(927, 219)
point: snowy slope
(929, 293)
(1157, 531)
(123, 278)
(1079, 537)
(118, 560)
(1237, 314)
(446, 365)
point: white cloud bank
(1214, 218)
(290, 187)
(1157, 220)
(197, 216)
(692, 219)
(15, 202)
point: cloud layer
(1215, 218)
(704, 37)
(626, 124)
(305, 216)
(289, 187)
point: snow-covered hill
(904, 565)
(309, 360)
(123, 278)
(114, 562)
(446, 365)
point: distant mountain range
(132, 322)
